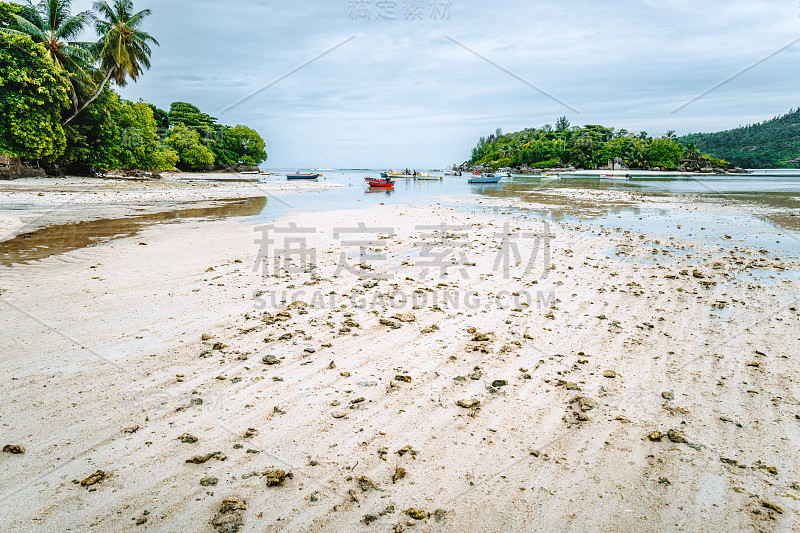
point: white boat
(503, 174)
(427, 176)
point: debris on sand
(655, 436)
(230, 518)
(399, 473)
(403, 378)
(200, 459)
(469, 404)
(772, 506)
(676, 436)
(275, 478)
(270, 360)
(668, 395)
(366, 484)
(13, 448)
(187, 438)
(584, 403)
(416, 514)
(407, 449)
(208, 481)
(610, 374)
(405, 317)
(95, 478)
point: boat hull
(302, 176)
(485, 180)
(384, 184)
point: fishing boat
(299, 176)
(477, 173)
(449, 173)
(395, 174)
(249, 172)
(485, 179)
(384, 183)
(503, 174)
(384, 175)
(427, 176)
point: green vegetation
(773, 143)
(32, 96)
(586, 147)
(57, 105)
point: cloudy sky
(414, 83)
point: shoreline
(176, 331)
(32, 204)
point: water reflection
(54, 240)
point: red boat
(375, 182)
(477, 173)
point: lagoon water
(769, 220)
(772, 225)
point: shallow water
(62, 238)
(776, 231)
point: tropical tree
(192, 153)
(123, 50)
(33, 94)
(51, 24)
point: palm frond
(74, 26)
(29, 28)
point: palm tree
(51, 24)
(123, 49)
(691, 152)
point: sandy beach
(391, 368)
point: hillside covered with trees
(587, 147)
(774, 143)
(59, 110)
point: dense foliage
(587, 147)
(191, 152)
(119, 134)
(57, 105)
(33, 95)
(773, 143)
(229, 146)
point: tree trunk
(90, 100)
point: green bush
(32, 96)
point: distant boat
(395, 174)
(374, 182)
(250, 172)
(503, 174)
(477, 173)
(427, 176)
(449, 173)
(485, 179)
(302, 176)
(384, 175)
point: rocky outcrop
(12, 168)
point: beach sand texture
(599, 380)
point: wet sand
(554, 376)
